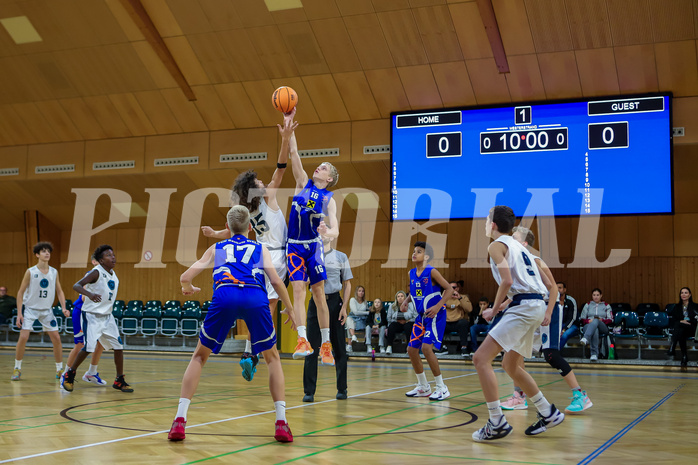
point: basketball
(284, 99)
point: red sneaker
(283, 432)
(177, 430)
(326, 354)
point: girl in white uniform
(100, 287)
(39, 287)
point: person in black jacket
(684, 316)
(376, 323)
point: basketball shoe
(440, 393)
(94, 379)
(120, 384)
(303, 349)
(419, 391)
(177, 430)
(16, 375)
(249, 365)
(58, 374)
(326, 357)
(283, 432)
(515, 402)
(580, 402)
(491, 431)
(544, 423)
(68, 379)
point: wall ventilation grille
(9, 172)
(176, 161)
(368, 149)
(233, 157)
(54, 169)
(319, 153)
(114, 165)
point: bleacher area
(640, 336)
(150, 325)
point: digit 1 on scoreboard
(522, 115)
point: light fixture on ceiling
(276, 5)
(21, 30)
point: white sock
(92, 370)
(248, 346)
(302, 333)
(183, 407)
(325, 334)
(495, 410)
(439, 380)
(542, 404)
(422, 379)
(280, 407)
(18, 364)
(59, 366)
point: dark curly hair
(241, 190)
(41, 246)
(99, 251)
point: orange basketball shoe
(303, 349)
(326, 357)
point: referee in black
(338, 276)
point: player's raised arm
(330, 227)
(296, 164)
(498, 251)
(279, 287)
(89, 278)
(194, 270)
(286, 131)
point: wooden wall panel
(402, 36)
(387, 90)
(14, 157)
(111, 150)
(303, 47)
(272, 51)
(549, 25)
(335, 44)
(375, 132)
(684, 115)
(685, 169)
(369, 42)
(420, 87)
(685, 226)
(438, 34)
(597, 72)
(524, 80)
(630, 22)
(677, 67)
(56, 154)
(356, 95)
(470, 30)
(177, 145)
(589, 26)
(454, 84)
(672, 20)
(238, 105)
(212, 109)
(244, 141)
(514, 27)
(488, 84)
(655, 236)
(325, 97)
(637, 69)
(188, 116)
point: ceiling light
(21, 30)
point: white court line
(42, 454)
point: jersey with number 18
(107, 285)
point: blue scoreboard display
(608, 156)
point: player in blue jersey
(239, 292)
(91, 376)
(313, 214)
(428, 329)
(519, 280)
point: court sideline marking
(630, 426)
(111, 441)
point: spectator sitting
(458, 311)
(358, 313)
(376, 324)
(478, 324)
(596, 315)
(684, 318)
(7, 304)
(570, 315)
(399, 321)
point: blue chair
(645, 308)
(130, 323)
(189, 325)
(169, 324)
(630, 329)
(150, 321)
(656, 327)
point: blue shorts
(78, 335)
(231, 303)
(306, 260)
(428, 330)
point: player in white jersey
(547, 340)
(519, 280)
(39, 287)
(100, 287)
(268, 223)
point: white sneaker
(583, 341)
(382, 350)
(369, 349)
(94, 379)
(349, 348)
(440, 393)
(419, 391)
(354, 338)
(490, 432)
(594, 358)
(389, 350)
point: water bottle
(611, 352)
(373, 355)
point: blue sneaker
(94, 379)
(248, 363)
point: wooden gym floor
(638, 416)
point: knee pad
(555, 360)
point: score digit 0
(444, 144)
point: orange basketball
(284, 99)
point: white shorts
(101, 328)
(278, 259)
(48, 321)
(516, 328)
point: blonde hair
(333, 173)
(238, 219)
(526, 234)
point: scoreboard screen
(603, 156)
